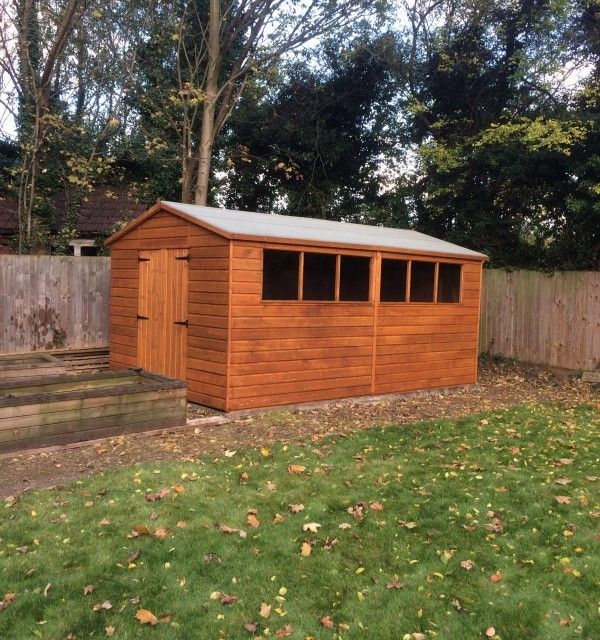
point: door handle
(183, 323)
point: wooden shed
(255, 309)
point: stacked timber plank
(53, 410)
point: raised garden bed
(26, 365)
(40, 412)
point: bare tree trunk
(207, 134)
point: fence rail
(52, 302)
(542, 319)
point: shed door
(162, 311)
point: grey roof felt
(240, 224)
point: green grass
(441, 475)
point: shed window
(393, 281)
(280, 274)
(319, 276)
(355, 277)
(422, 277)
(448, 283)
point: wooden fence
(50, 302)
(542, 319)
(53, 302)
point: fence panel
(53, 302)
(542, 319)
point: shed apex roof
(279, 228)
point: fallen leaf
(467, 564)
(252, 518)
(251, 627)
(104, 522)
(296, 468)
(305, 550)
(161, 533)
(278, 519)
(326, 622)
(344, 525)
(229, 454)
(376, 506)
(226, 599)
(146, 617)
(313, 527)
(47, 589)
(490, 632)
(178, 488)
(109, 631)
(103, 606)
(395, 584)
(563, 499)
(211, 557)
(284, 632)
(407, 525)
(562, 481)
(496, 577)
(265, 610)
(139, 530)
(22, 549)
(133, 556)
(88, 589)
(565, 461)
(296, 508)
(159, 495)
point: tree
(31, 67)
(239, 39)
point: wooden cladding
(272, 324)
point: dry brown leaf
(278, 519)
(103, 606)
(490, 632)
(251, 627)
(159, 495)
(109, 631)
(327, 622)
(496, 577)
(467, 564)
(296, 508)
(563, 499)
(395, 584)
(265, 610)
(226, 599)
(161, 533)
(563, 481)
(88, 589)
(313, 527)
(376, 506)
(296, 468)
(252, 518)
(284, 632)
(146, 617)
(178, 488)
(305, 549)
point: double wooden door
(162, 311)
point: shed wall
(428, 346)
(207, 300)
(287, 352)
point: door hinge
(139, 317)
(183, 323)
(183, 257)
(140, 259)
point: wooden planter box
(26, 365)
(40, 412)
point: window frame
(416, 258)
(338, 255)
(375, 263)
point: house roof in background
(295, 229)
(100, 210)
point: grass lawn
(446, 529)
